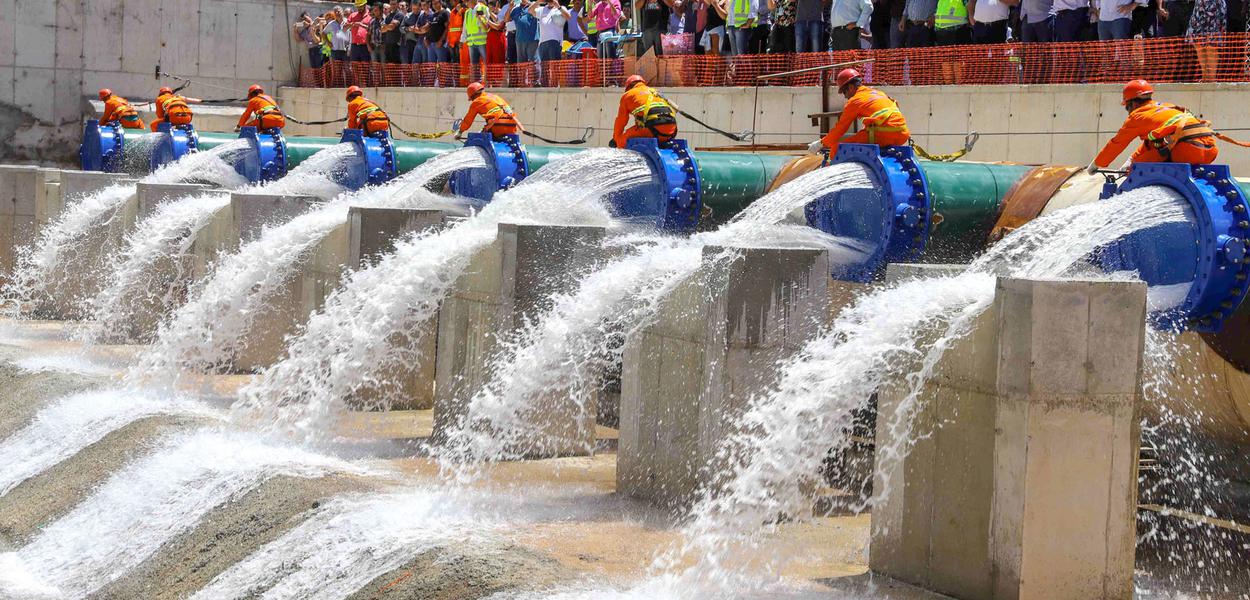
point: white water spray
(351, 344)
(149, 503)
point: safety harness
(500, 113)
(368, 113)
(654, 113)
(1185, 134)
(872, 127)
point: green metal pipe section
(730, 180)
(967, 198)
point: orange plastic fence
(1215, 58)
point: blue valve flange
(506, 166)
(102, 147)
(377, 154)
(1209, 251)
(267, 160)
(893, 218)
(673, 199)
(176, 141)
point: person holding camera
(306, 31)
(551, 18)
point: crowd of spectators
(522, 31)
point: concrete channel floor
(588, 528)
(591, 530)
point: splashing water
(37, 274)
(148, 272)
(148, 503)
(348, 543)
(352, 343)
(75, 422)
(316, 176)
(214, 166)
(74, 237)
(565, 352)
(206, 333)
(785, 434)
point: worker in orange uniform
(172, 108)
(118, 110)
(884, 124)
(262, 112)
(362, 113)
(1168, 132)
(500, 120)
(654, 117)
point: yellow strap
(969, 141)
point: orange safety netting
(1213, 58)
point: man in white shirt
(989, 20)
(1071, 19)
(848, 23)
(1115, 18)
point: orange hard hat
(164, 90)
(1136, 89)
(846, 76)
(474, 89)
(634, 80)
(354, 91)
(255, 89)
(105, 93)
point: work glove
(1092, 169)
(1128, 164)
(459, 136)
(816, 147)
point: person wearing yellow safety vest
(172, 108)
(653, 116)
(741, 20)
(500, 120)
(884, 124)
(477, 22)
(262, 111)
(952, 24)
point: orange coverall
(635, 103)
(118, 109)
(262, 113)
(884, 125)
(1157, 121)
(172, 108)
(364, 114)
(495, 111)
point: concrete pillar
(372, 233)
(1018, 477)
(151, 195)
(713, 344)
(512, 278)
(24, 206)
(254, 212)
(76, 184)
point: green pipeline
(730, 180)
(966, 196)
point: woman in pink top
(606, 15)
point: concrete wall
(25, 206)
(1018, 476)
(1062, 124)
(714, 342)
(507, 281)
(55, 55)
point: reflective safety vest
(950, 13)
(592, 26)
(872, 123)
(1186, 128)
(654, 112)
(499, 113)
(175, 104)
(742, 12)
(269, 108)
(474, 29)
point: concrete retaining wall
(55, 55)
(26, 203)
(1061, 124)
(1018, 475)
(714, 343)
(506, 281)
